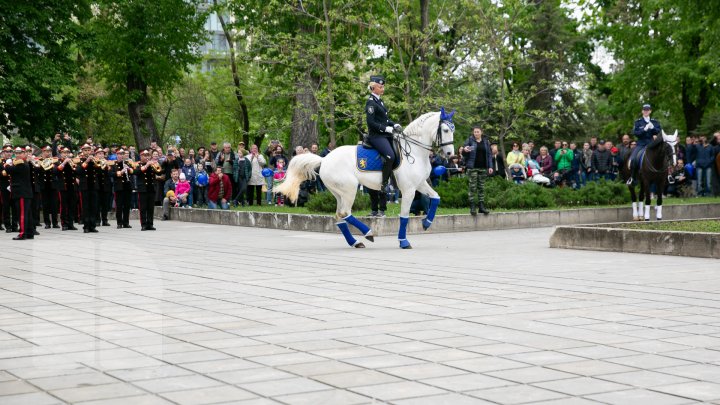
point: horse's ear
(675, 133)
(442, 113)
(451, 114)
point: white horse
(340, 175)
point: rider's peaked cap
(377, 79)
(647, 106)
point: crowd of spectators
(221, 176)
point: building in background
(215, 49)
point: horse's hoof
(426, 224)
(405, 244)
(407, 247)
(647, 219)
(370, 238)
(359, 245)
(659, 219)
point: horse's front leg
(425, 188)
(658, 203)
(406, 202)
(648, 194)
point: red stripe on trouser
(60, 201)
(22, 217)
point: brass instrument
(155, 165)
(103, 163)
(130, 163)
(18, 161)
(48, 163)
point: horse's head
(446, 132)
(672, 141)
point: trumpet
(155, 165)
(103, 163)
(131, 163)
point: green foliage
(503, 194)
(37, 65)
(325, 202)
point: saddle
(368, 159)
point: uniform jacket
(104, 181)
(20, 180)
(645, 137)
(145, 179)
(47, 179)
(87, 176)
(377, 117)
(66, 178)
(122, 182)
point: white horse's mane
(414, 128)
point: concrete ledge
(611, 237)
(442, 223)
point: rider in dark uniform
(645, 129)
(380, 128)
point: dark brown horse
(659, 155)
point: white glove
(8, 162)
(649, 126)
(389, 130)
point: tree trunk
(329, 78)
(142, 121)
(423, 51)
(694, 112)
(236, 78)
(304, 126)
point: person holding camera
(478, 160)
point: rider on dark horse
(380, 128)
(646, 130)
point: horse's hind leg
(407, 199)
(658, 203)
(425, 188)
(634, 199)
(342, 224)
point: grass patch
(394, 209)
(681, 226)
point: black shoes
(473, 210)
(23, 237)
(106, 223)
(482, 209)
(119, 226)
(127, 226)
(47, 226)
(150, 228)
(56, 226)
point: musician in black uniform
(145, 173)
(86, 173)
(104, 182)
(47, 182)
(380, 128)
(123, 189)
(5, 197)
(35, 181)
(21, 187)
(68, 190)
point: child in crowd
(182, 190)
(201, 182)
(278, 179)
(517, 173)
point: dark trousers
(122, 206)
(254, 190)
(89, 200)
(8, 208)
(24, 208)
(50, 206)
(378, 200)
(105, 199)
(36, 209)
(146, 205)
(241, 189)
(68, 207)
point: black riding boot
(386, 172)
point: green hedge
(503, 194)
(325, 202)
(500, 193)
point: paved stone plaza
(201, 314)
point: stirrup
(671, 179)
(630, 181)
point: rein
(649, 164)
(404, 140)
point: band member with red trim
(85, 172)
(6, 202)
(22, 192)
(67, 187)
(123, 189)
(145, 174)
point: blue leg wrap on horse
(346, 233)
(434, 203)
(357, 224)
(403, 228)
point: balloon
(690, 169)
(267, 172)
(439, 170)
(202, 179)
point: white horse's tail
(301, 168)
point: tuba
(48, 163)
